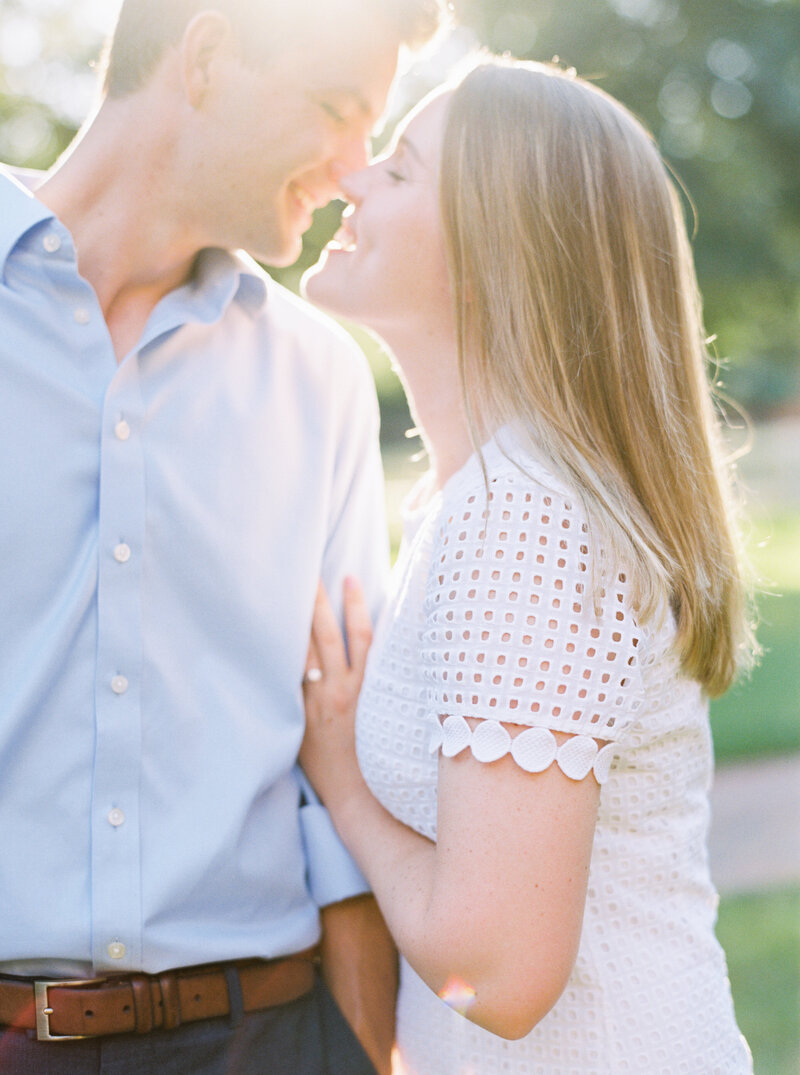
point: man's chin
(279, 256)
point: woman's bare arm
(493, 908)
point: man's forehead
(357, 30)
(359, 71)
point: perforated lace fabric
(490, 617)
(508, 599)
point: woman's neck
(429, 367)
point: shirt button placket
(116, 852)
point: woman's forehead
(423, 127)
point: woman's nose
(352, 157)
(353, 184)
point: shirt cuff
(332, 874)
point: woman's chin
(335, 284)
(325, 283)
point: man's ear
(207, 36)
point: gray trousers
(305, 1037)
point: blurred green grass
(761, 714)
(761, 937)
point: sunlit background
(718, 82)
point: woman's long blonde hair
(580, 323)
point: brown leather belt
(138, 1003)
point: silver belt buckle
(44, 1011)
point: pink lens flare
(398, 1067)
(458, 995)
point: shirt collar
(233, 276)
(254, 282)
(219, 278)
(20, 211)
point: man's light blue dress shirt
(163, 524)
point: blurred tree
(47, 85)
(717, 81)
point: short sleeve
(512, 633)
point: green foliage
(46, 82)
(718, 82)
(761, 938)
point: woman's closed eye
(395, 165)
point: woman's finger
(313, 670)
(358, 625)
(326, 636)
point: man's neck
(114, 194)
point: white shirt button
(122, 430)
(82, 316)
(116, 817)
(119, 684)
(122, 553)
(116, 950)
(51, 242)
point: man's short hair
(146, 28)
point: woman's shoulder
(508, 478)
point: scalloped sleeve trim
(534, 750)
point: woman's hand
(332, 681)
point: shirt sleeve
(520, 630)
(332, 873)
(357, 545)
(358, 542)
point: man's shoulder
(19, 209)
(15, 185)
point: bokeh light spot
(729, 60)
(20, 41)
(731, 100)
(679, 100)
